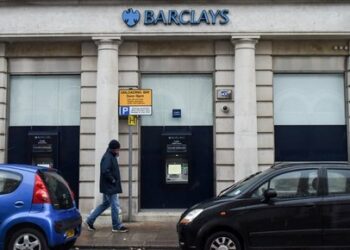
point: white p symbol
(125, 110)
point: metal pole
(130, 175)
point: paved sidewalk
(141, 236)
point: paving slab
(141, 236)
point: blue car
(37, 209)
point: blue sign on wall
(124, 111)
(173, 17)
(176, 113)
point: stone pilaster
(245, 122)
(107, 124)
(3, 101)
(87, 126)
(347, 77)
(224, 133)
(129, 78)
(264, 99)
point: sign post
(132, 121)
(133, 102)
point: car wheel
(222, 241)
(27, 238)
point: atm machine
(47, 146)
(177, 157)
(43, 148)
(176, 166)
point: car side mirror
(269, 194)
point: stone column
(107, 124)
(347, 80)
(245, 117)
(3, 102)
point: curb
(127, 247)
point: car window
(9, 182)
(338, 181)
(59, 191)
(299, 183)
(238, 187)
(260, 191)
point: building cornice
(162, 2)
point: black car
(304, 205)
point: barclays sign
(131, 17)
(173, 17)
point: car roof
(310, 164)
(22, 167)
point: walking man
(110, 187)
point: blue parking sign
(123, 111)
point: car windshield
(238, 187)
(59, 191)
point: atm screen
(43, 161)
(174, 169)
(177, 172)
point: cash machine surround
(48, 146)
(176, 166)
(177, 154)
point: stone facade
(259, 41)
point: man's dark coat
(109, 175)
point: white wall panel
(177, 64)
(308, 64)
(45, 100)
(309, 99)
(44, 65)
(190, 93)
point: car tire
(220, 240)
(32, 238)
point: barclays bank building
(219, 89)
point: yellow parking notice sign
(132, 120)
(135, 102)
(135, 97)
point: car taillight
(40, 193)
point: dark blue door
(66, 150)
(156, 192)
(177, 141)
(309, 117)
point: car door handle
(19, 204)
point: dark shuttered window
(309, 117)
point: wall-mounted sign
(135, 102)
(176, 113)
(176, 17)
(132, 120)
(224, 94)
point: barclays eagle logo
(131, 17)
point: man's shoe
(122, 229)
(89, 226)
